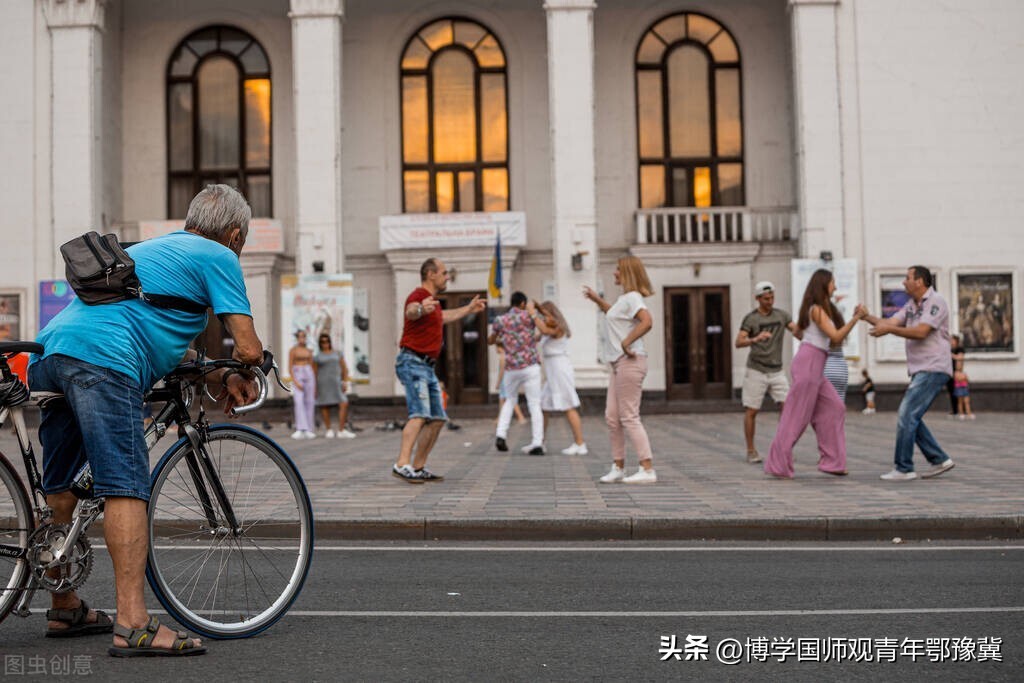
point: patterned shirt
(931, 354)
(514, 331)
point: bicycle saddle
(21, 347)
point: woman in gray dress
(331, 378)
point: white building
(716, 139)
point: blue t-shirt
(141, 340)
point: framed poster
(317, 304)
(12, 317)
(983, 311)
(891, 298)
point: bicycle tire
(16, 525)
(177, 524)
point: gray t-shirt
(766, 356)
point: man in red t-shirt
(422, 335)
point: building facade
(719, 140)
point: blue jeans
(422, 389)
(99, 421)
(910, 427)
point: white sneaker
(868, 411)
(308, 435)
(642, 476)
(615, 474)
(298, 434)
(896, 475)
(576, 449)
(346, 434)
(529, 447)
(936, 470)
(329, 434)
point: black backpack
(101, 272)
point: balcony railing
(717, 224)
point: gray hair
(217, 210)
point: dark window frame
(243, 172)
(430, 166)
(668, 162)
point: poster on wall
(359, 362)
(54, 297)
(317, 304)
(984, 312)
(891, 298)
(11, 316)
(845, 273)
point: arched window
(218, 118)
(454, 119)
(689, 114)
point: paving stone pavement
(702, 476)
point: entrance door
(697, 356)
(463, 362)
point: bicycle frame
(176, 397)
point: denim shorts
(422, 389)
(99, 421)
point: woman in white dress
(559, 392)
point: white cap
(763, 287)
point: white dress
(559, 392)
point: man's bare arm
(248, 347)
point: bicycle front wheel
(16, 524)
(217, 581)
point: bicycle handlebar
(259, 373)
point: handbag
(101, 272)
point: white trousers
(529, 379)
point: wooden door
(698, 362)
(463, 362)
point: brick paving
(702, 475)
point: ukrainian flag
(494, 279)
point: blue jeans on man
(910, 427)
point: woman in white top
(559, 392)
(812, 399)
(626, 322)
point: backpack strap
(176, 303)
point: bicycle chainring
(65, 576)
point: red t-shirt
(425, 334)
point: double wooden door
(698, 360)
(463, 362)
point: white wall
(941, 106)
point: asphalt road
(607, 611)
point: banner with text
(447, 230)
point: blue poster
(54, 296)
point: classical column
(316, 65)
(819, 147)
(76, 35)
(574, 193)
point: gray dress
(328, 379)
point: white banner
(446, 230)
(845, 273)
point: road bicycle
(230, 520)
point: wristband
(419, 311)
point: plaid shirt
(514, 331)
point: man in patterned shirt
(516, 332)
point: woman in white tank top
(812, 399)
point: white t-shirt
(620, 321)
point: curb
(1009, 527)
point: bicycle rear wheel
(215, 582)
(16, 524)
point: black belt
(422, 356)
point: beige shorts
(757, 383)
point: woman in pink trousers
(812, 399)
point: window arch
(218, 118)
(454, 119)
(689, 114)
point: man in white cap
(762, 331)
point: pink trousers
(812, 400)
(622, 410)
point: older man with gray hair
(103, 359)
